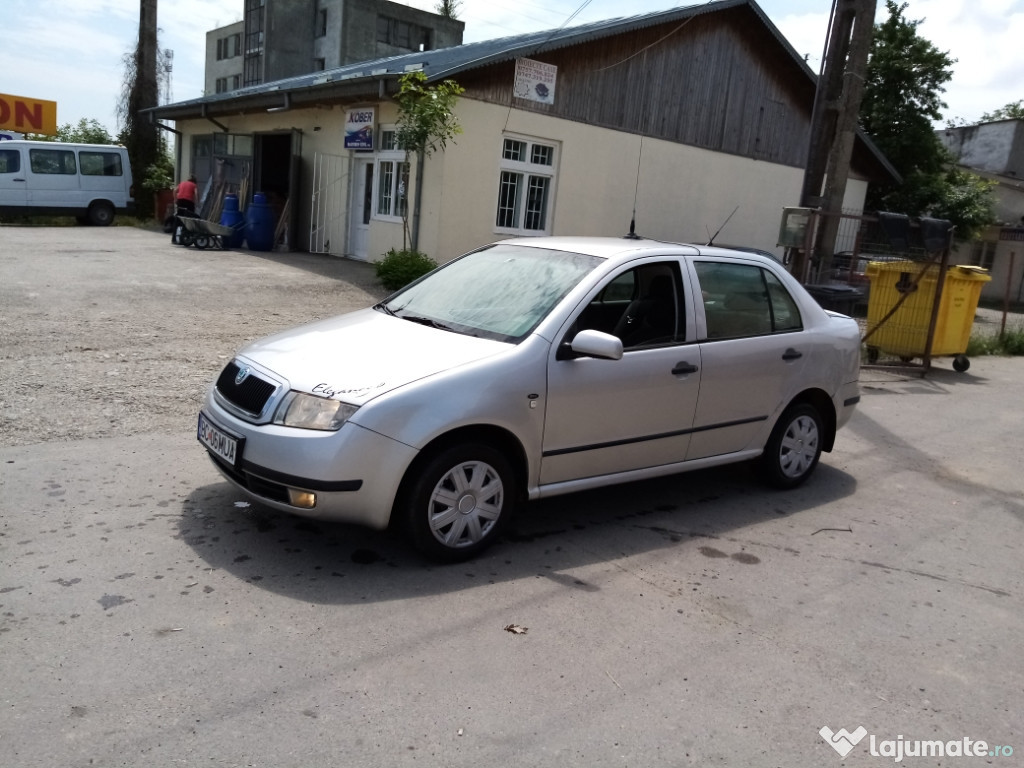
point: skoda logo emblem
(242, 375)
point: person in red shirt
(186, 194)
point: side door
(608, 416)
(13, 183)
(53, 178)
(103, 176)
(360, 209)
(753, 352)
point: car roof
(626, 248)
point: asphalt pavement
(149, 616)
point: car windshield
(501, 292)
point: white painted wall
(681, 193)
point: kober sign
(18, 113)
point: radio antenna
(711, 241)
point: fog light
(303, 499)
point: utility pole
(834, 123)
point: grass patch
(1009, 343)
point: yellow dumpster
(905, 333)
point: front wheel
(793, 450)
(459, 501)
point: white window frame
(388, 162)
(527, 172)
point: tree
(1012, 111)
(84, 132)
(426, 123)
(448, 8)
(141, 91)
(902, 100)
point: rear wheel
(202, 241)
(794, 447)
(459, 501)
(101, 214)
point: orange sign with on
(24, 115)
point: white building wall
(682, 193)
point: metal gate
(328, 229)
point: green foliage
(905, 77)
(967, 200)
(159, 175)
(399, 268)
(84, 132)
(902, 99)
(1009, 343)
(426, 113)
(1012, 111)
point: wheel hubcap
(465, 504)
(799, 447)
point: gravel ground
(115, 331)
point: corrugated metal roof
(448, 62)
(364, 77)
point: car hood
(361, 355)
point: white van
(88, 181)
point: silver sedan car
(530, 368)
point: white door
(360, 209)
(13, 184)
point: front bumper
(351, 475)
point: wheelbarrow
(208, 234)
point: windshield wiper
(430, 323)
(382, 307)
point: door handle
(684, 368)
(792, 354)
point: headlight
(309, 412)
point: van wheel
(459, 501)
(101, 214)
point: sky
(72, 52)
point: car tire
(793, 450)
(101, 214)
(459, 501)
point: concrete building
(995, 151)
(685, 118)
(224, 58)
(277, 39)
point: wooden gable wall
(721, 81)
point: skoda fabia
(530, 368)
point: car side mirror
(590, 343)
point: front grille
(251, 395)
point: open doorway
(276, 174)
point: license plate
(217, 441)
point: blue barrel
(232, 217)
(259, 224)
